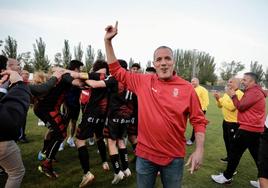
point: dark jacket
(13, 110)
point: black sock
(115, 163)
(134, 147)
(102, 150)
(52, 148)
(45, 145)
(84, 158)
(123, 158)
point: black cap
(74, 64)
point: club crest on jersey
(175, 92)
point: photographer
(13, 110)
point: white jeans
(11, 161)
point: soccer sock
(84, 158)
(134, 147)
(115, 163)
(53, 148)
(123, 158)
(45, 145)
(102, 150)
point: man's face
(247, 82)
(194, 82)
(134, 69)
(14, 65)
(25, 75)
(163, 63)
(232, 84)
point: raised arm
(111, 31)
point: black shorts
(132, 127)
(72, 113)
(89, 125)
(116, 128)
(263, 155)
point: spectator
(165, 101)
(202, 94)
(229, 124)
(251, 117)
(150, 70)
(13, 111)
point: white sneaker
(221, 179)
(127, 172)
(105, 166)
(189, 143)
(118, 177)
(87, 179)
(91, 141)
(70, 141)
(255, 184)
(61, 146)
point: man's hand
(196, 158)
(230, 92)
(111, 31)
(217, 96)
(14, 76)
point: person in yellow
(202, 94)
(229, 124)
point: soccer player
(119, 114)
(93, 120)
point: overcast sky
(228, 30)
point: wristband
(83, 75)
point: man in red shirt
(165, 101)
(251, 118)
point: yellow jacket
(227, 106)
(202, 94)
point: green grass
(71, 173)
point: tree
(131, 62)
(266, 78)
(10, 48)
(25, 59)
(1, 42)
(40, 60)
(231, 69)
(257, 69)
(89, 58)
(205, 68)
(191, 63)
(149, 63)
(100, 55)
(78, 52)
(58, 60)
(67, 56)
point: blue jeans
(171, 175)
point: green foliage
(58, 60)
(191, 63)
(67, 56)
(78, 52)
(100, 55)
(10, 48)
(231, 69)
(265, 82)
(257, 69)
(131, 62)
(40, 61)
(89, 58)
(25, 59)
(149, 63)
